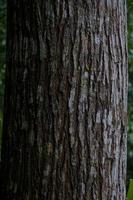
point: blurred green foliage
(130, 91)
(130, 96)
(2, 57)
(2, 49)
(130, 190)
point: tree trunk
(65, 112)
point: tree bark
(65, 112)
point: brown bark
(64, 132)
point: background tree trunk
(64, 132)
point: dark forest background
(130, 60)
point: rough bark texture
(64, 135)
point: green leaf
(130, 191)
